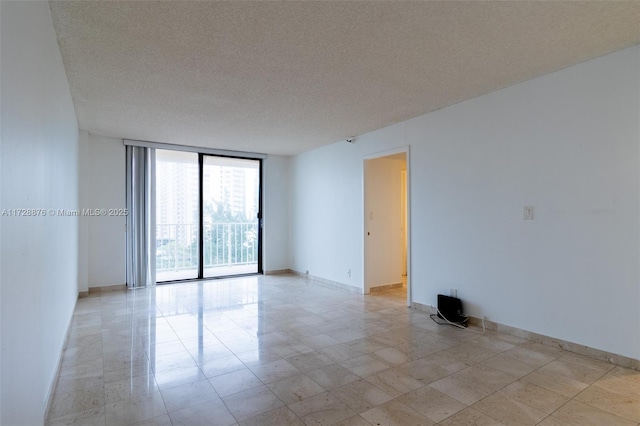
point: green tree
(224, 240)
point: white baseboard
(327, 283)
(576, 348)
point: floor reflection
(274, 350)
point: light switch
(527, 213)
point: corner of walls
(327, 219)
(39, 260)
(83, 222)
(102, 176)
(638, 179)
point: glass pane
(230, 206)
(177, 215)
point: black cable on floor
(453, 324)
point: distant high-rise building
(229, 184)
(177, 196)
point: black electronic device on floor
(450, 309)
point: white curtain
(141, 271)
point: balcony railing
(225, 244)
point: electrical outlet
(527, 213)
(453, 292)
(349, 272)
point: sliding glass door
(207, 216)
(177, 215)
(230, 216)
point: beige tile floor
(278, 350)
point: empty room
(320, 213)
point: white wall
(275, 201)
(326, 213)
(383, 222)
(566, 143)
(39, 171)
(102, 186)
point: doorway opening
(207, 216)
(386, 224)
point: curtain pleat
(141, 218)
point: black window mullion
(260, 271)
(201, 219)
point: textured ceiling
(287, 77)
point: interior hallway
(281, 350)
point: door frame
(406, 149)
